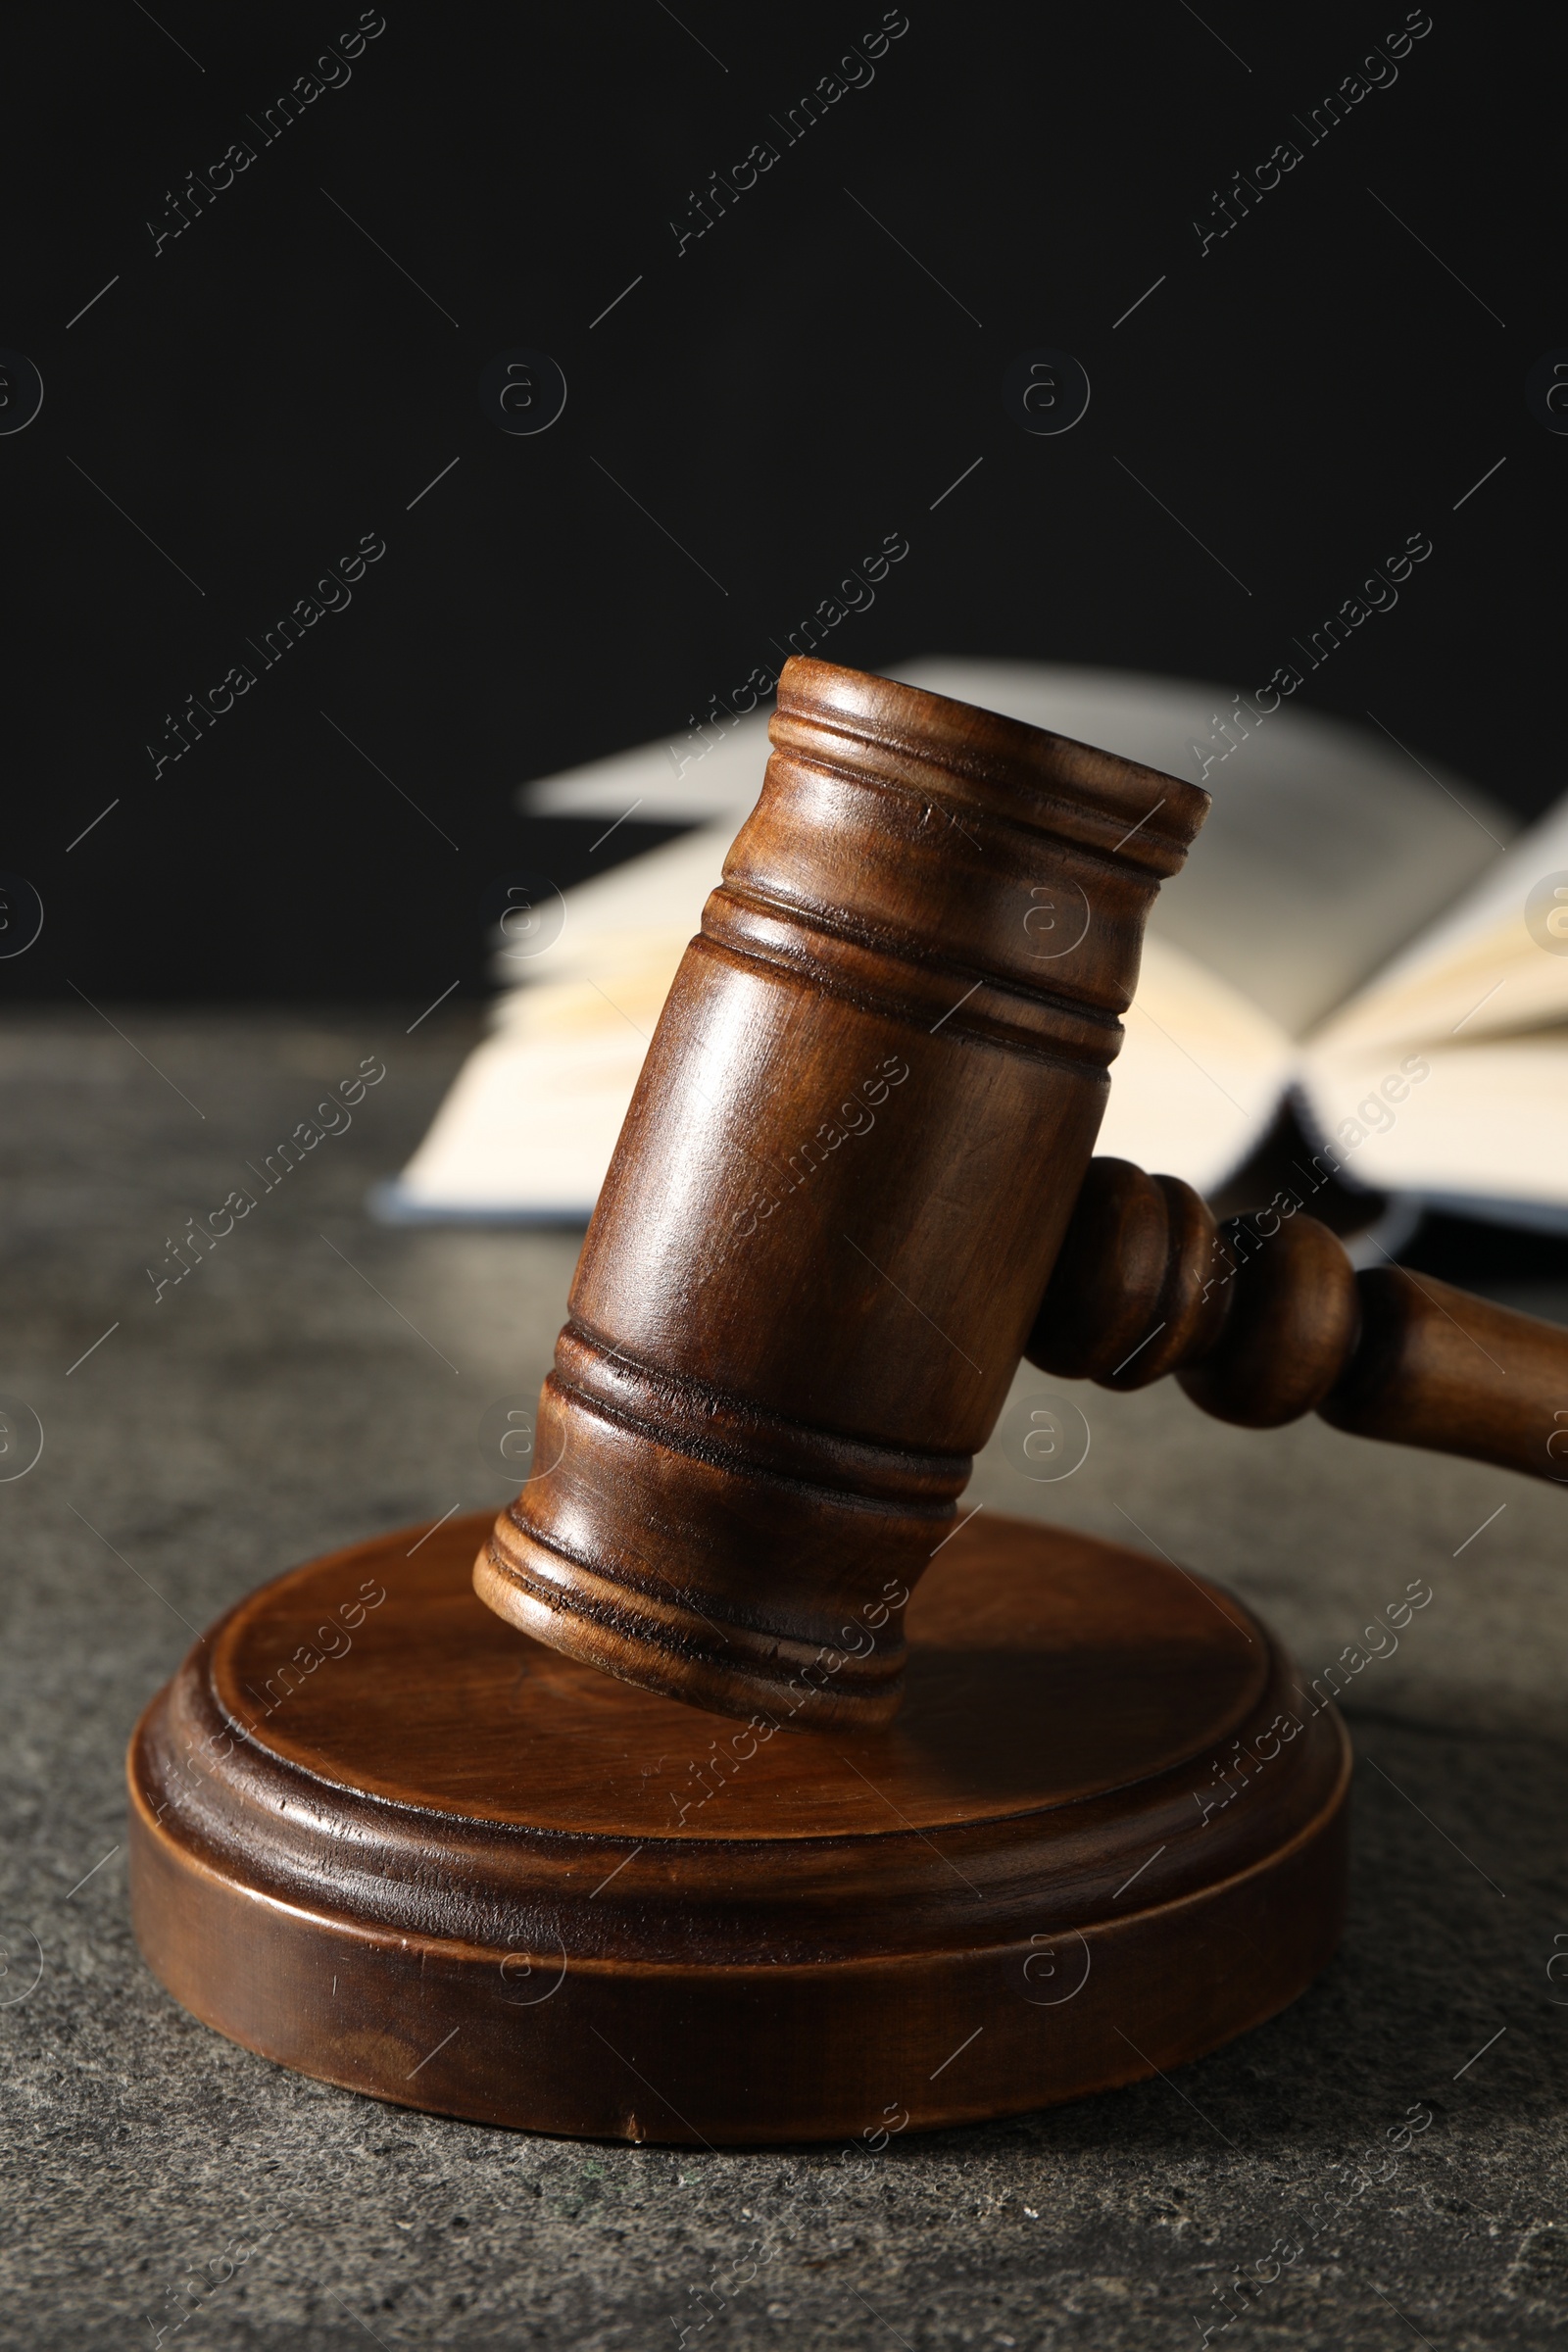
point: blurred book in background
(1352, 958)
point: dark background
(791, 388)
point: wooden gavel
(404, 1848)
(857, 1162)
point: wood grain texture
(380, 1837)
(1262, 1320)
(836, 1200)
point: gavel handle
(1262, 1320)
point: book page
(1482, 1129)
(1199, 1076)
(694, 776)
(617, 919)
(1448, 1076)
(527, 1130)
(1496, 965)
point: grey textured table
(319, 1377)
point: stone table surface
(299, 1391)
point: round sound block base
(380, 1837)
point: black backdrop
(287, 374)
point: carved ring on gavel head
(837, 1198)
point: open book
(1353, 934)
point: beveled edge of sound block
(751, 1990)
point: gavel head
(836, 1200)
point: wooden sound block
(379, 1835)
